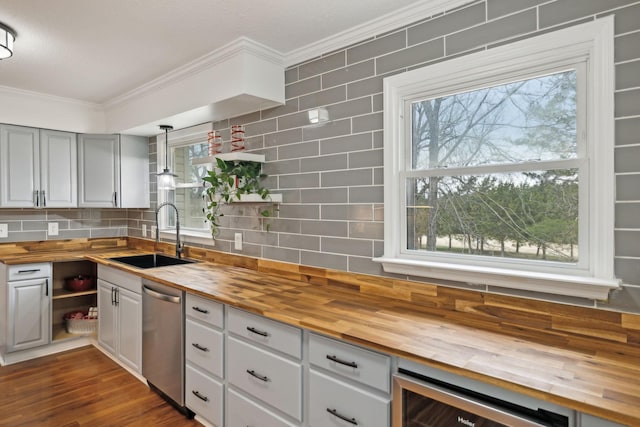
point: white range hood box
(239, 78)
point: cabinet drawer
(28, 271)
(334, 403)
(242, 412)
(204, 395)
(275, 335)
(270, 378)
(205, 310)
(121, 278)
(203, 347)
(349, 361)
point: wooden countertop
(603, 385)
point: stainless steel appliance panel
(163, 339)
(421, 404)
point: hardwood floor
(81, 387)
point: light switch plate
(237, 244)
(4, 230)
(144, 230)
(53, 229)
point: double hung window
(499, 166)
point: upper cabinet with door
(113, 171)
(37, 168)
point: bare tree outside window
(491, 171)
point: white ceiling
(98, 50)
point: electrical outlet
(53, 229)
(144, 230)
(153, 231)
(4, 231)
(237, 243)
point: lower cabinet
(204, 355)
(204, 395)
(591, 421)
(244, 412)
(26, 297)
(269, 377)
(336, 403)
(120, 316)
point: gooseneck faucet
(178, 244)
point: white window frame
(590, 43)
(188, 136)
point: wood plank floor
(81, 387)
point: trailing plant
(226, 183)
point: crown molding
(392, 21)
(8, 90)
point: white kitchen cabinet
(264, 361)
(38, 168)
(28, 299)
(113, 171)
(204, 355)
(591, 421)
(243, 412)
(336, 403)
(120, 316)
(347, 384)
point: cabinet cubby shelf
(63, 293)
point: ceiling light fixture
(7, 37)
(166, 179)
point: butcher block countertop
(601, 383)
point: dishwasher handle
(161, 296)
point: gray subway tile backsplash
(627, 103)
(628, 131)
(493, 31)
(627, 47)
(448, 23)
(322, 65)
(376, 47)
(302, 87)
(349, 73)
(627, 159)
(411, 56)
(323, 97)
(628, 75)
(561, 11)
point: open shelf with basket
(74, 291)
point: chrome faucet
(179, 247)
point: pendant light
(166, 179)
(7, 37)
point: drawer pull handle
(33, 270)
(197, 394)
(342, 362)
(200, 310)
(257, 332)
(342, 417)
(258, 376)
(199, 347)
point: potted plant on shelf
(227, 183)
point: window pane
(530, 120)
(189, 200)
(190, 203)
(528, 215)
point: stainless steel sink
(151, 260)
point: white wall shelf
(237, 156)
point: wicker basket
(81, 326)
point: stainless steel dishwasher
(163, 342)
